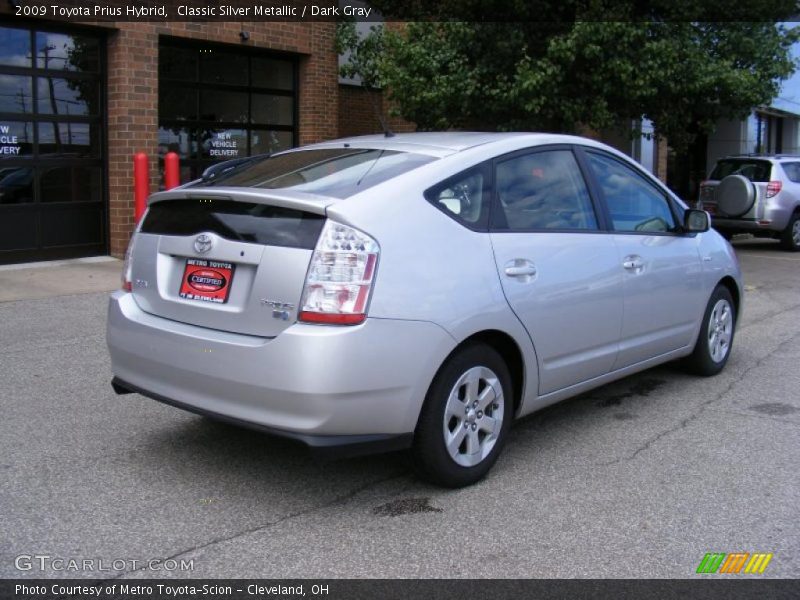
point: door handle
(633, 263)
(520, 267)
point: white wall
(791, 136)
(730, 137)
(640, 149)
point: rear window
(238, 221)
(754, 170)
(338, 172)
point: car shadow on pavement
(201, 452)
(200, 447)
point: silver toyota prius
(418, 291)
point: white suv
(755, 194)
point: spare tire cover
(735, 195)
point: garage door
(52, 180)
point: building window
(52, 197)
(219, 103)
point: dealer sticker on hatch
(206, 280)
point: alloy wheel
(720, 330)
(473, 416)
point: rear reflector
(332, 318)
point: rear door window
(754, 170)
(542, 191)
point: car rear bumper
(322, 446)
(773, 219)
(363, 384)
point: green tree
(665, 61)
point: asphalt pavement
(640, 478)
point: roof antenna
(386, 131)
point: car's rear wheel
(715, 341)
(790, 238)
(465, 418)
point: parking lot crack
(771, 315)
(702, 407)
(337, 500)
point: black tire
(431, 458)
(790, 240)
(709, 357)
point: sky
(789, 97)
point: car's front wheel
(465, 418)
(790, 238)
(715, 341)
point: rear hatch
(232, 260)
(232, 251)
(758, 171)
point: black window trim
(600, 217)
(675, 210)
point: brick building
(76, 102)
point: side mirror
(696, 221)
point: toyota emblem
(203, 243)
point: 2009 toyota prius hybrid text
(418, 291)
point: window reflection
(270, 141)
(71, 184)
(177, 104)
(182, 65)
(16, 185)
(272, 73)
(15, 47)
(178, 140)
(222, 105)
(16, 94)
(67, 52)
(67, 96)
(221, 67)
(74, 139)
(275, 110)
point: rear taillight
(126, 265)
(705, 191)
(340, 276)
(773, 187)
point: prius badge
(280, 310)
(203, 243)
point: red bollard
(172, 176)
(141, 185)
